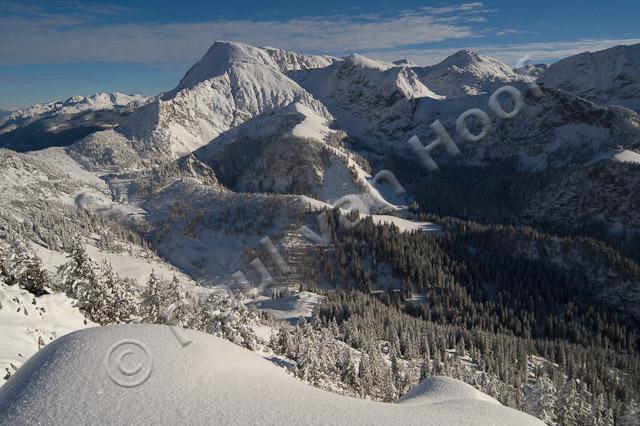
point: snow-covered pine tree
(308, 363)
(630, 414)
(23, 268)
(222, 315)
(80, 281)
(540, 400)
(123, 298)
(349, 371)
(567, 405)
(156, 300)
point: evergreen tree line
(57, 226)
(477, 275)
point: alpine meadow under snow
(267, 237)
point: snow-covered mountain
(232, 83)
(610, 76)
(466, 73)
(233, 386)
(530, 70)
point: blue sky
(55, 49)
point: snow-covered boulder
(74, 380)
(439, 388)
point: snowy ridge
(234, 386)
(555, 130)
(74, 105)
(610, 76)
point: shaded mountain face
(555, 130)
(610, 76)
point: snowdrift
(208, 381)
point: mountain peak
(363, 62)
(220, 57)
(465, 57)
(465, 73)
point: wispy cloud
(33, 34)
(464, 7)
(71, 31)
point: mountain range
(257, 148)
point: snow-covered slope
(27, 323)
(610, 77)
(466, 73)
(292, 61)
(210, 380)
(232, 83)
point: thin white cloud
(464, 7)
(34, 35)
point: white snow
(299, 305)
(405, 225)
(25, 325)
(209, 381)
(313, 126)
(622, 156)
(438, 389)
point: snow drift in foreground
(209, 381)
